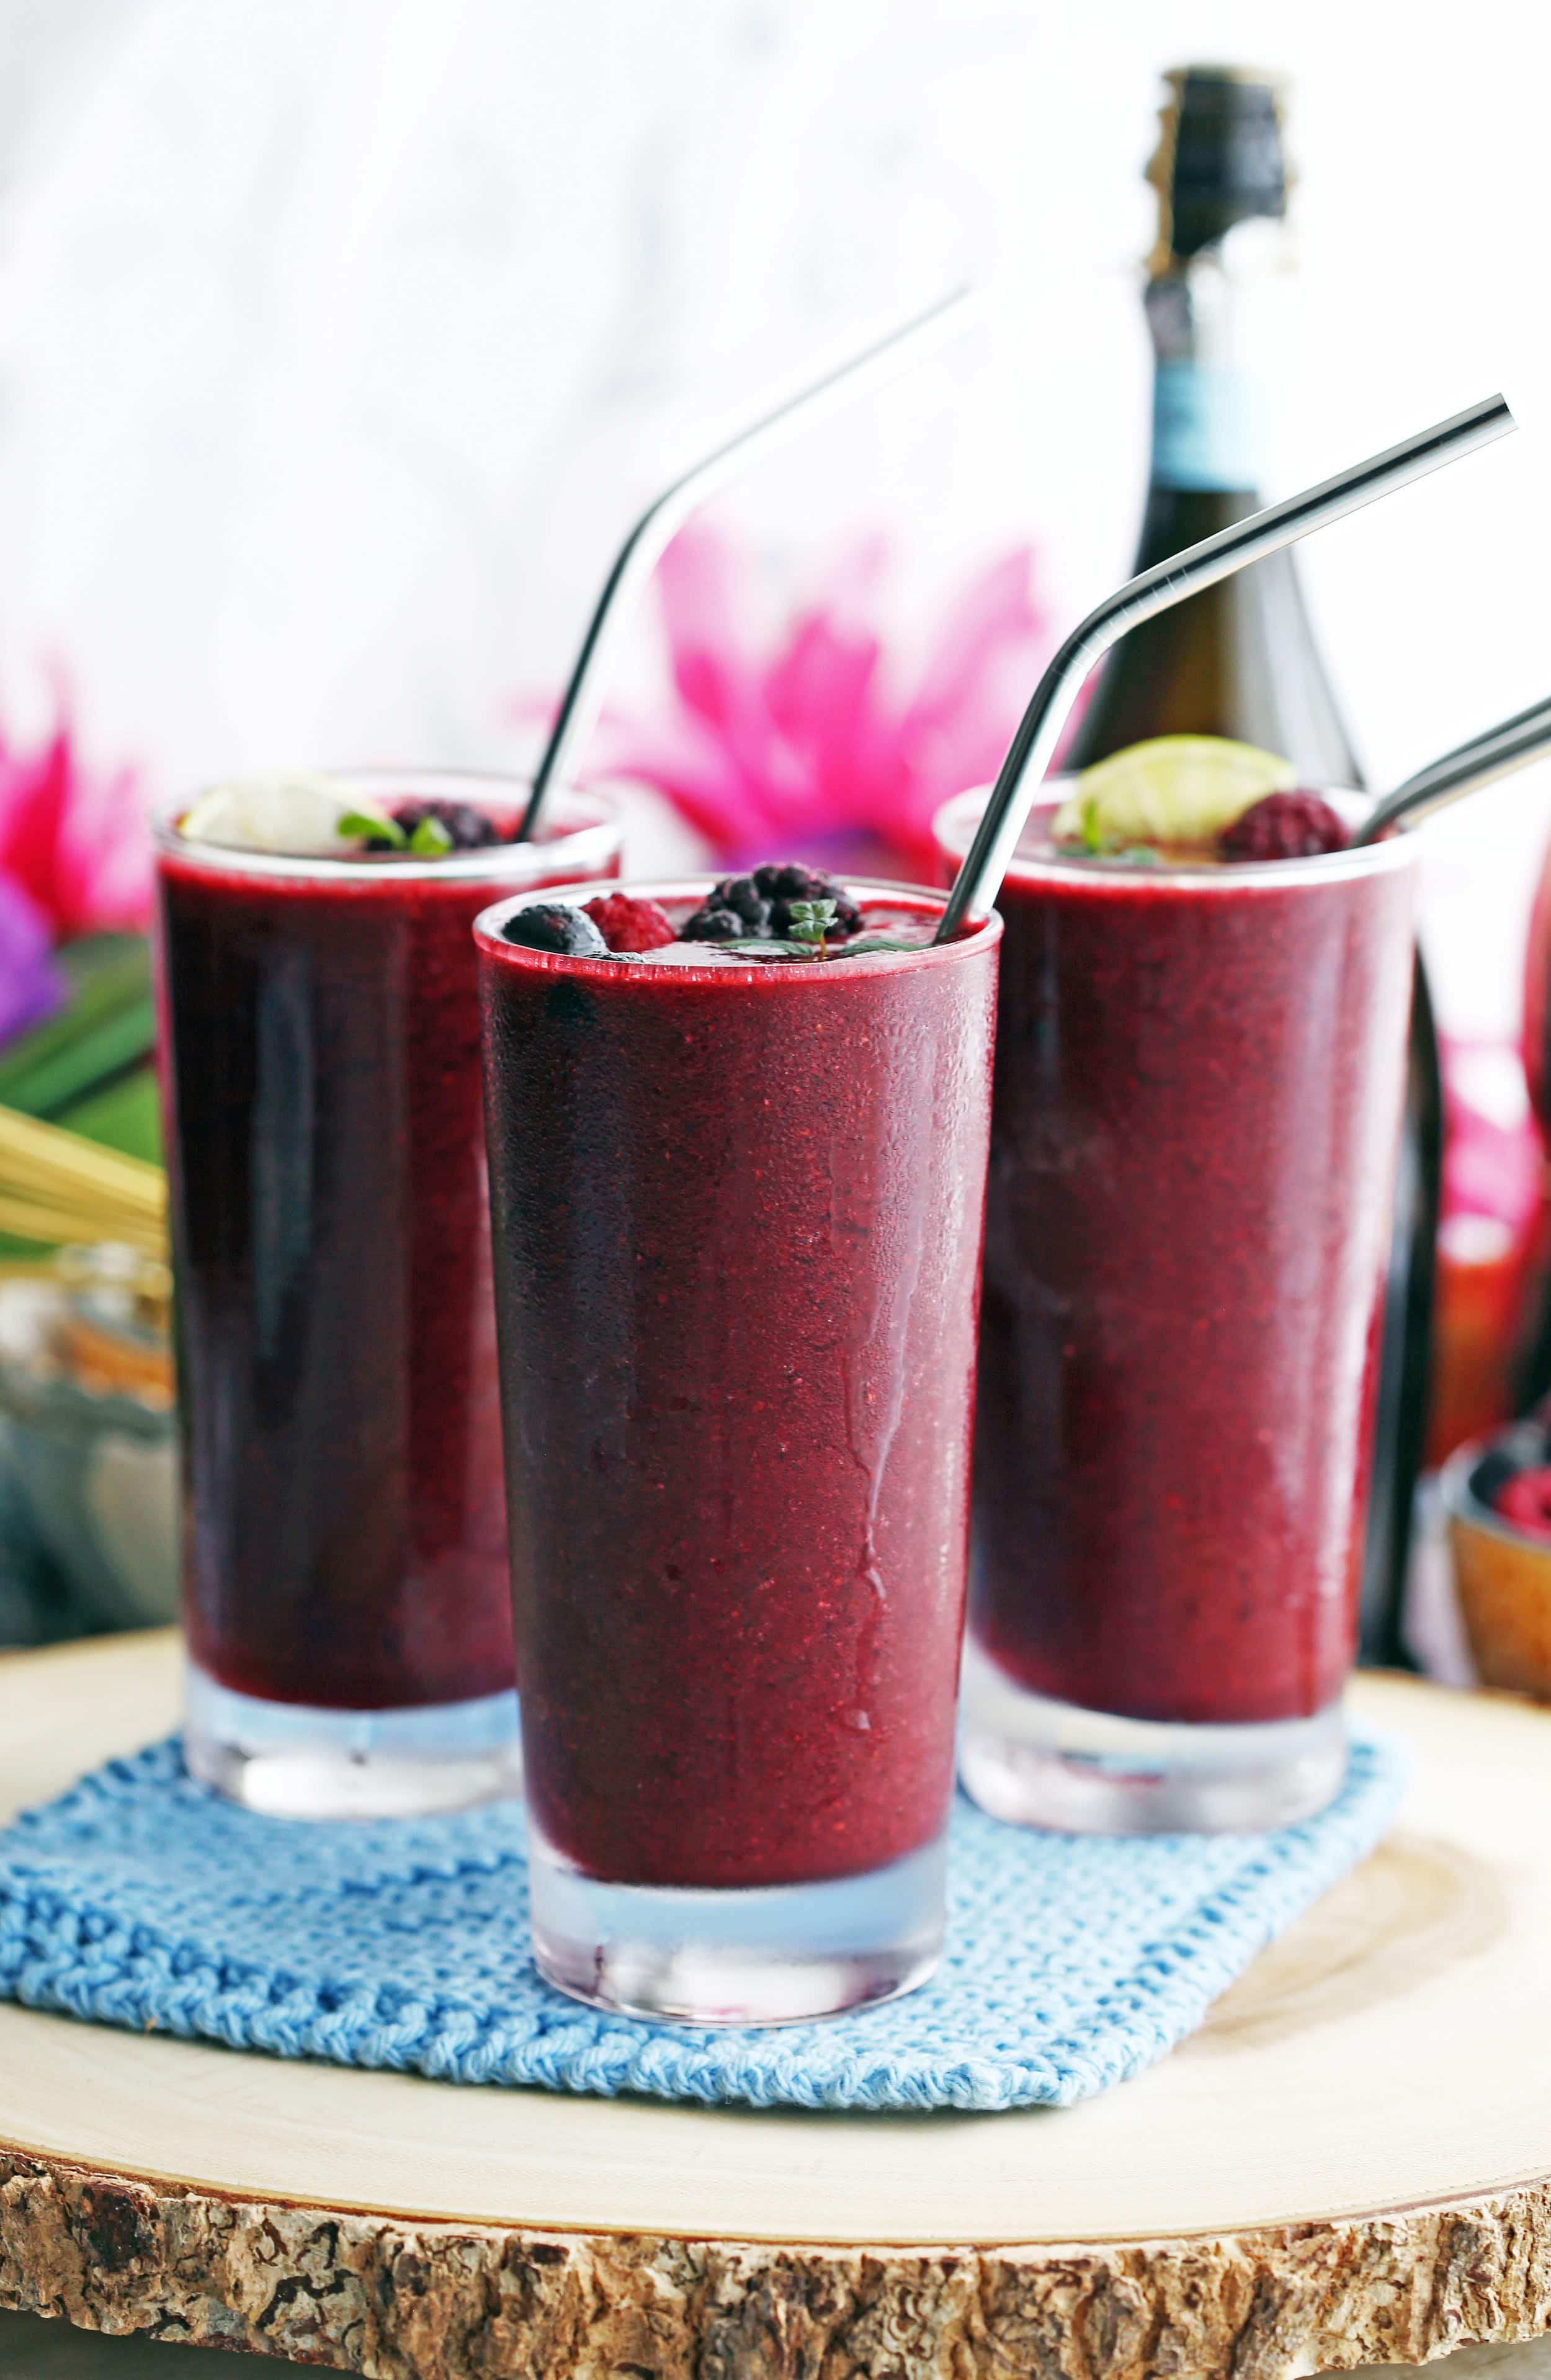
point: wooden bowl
(1503, 1574)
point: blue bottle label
(1203, 427)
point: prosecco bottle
(1240, 659)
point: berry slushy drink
(345, 1596)
(1200, 1065)
(737, 1180)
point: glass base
(1035, 1762)
(774, 1954)
(295, 1762)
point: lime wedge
(300, 816)
(1173, 789)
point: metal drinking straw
(646, 542)
(1495, 753)
(989, 856)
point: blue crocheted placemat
(139, 1899)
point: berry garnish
(556, 926)
(419, 830)
(465, 828)
(712, 923)
(1525, 1501)
(781, 886)
(1298, 825)
(629, 925)
(768, 906)
(736, 896)
(1171, 793)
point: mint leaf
(811, 921)
(367, 826)
(431, 839)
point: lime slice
(298, 815)
(1173, 789)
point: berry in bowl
(1496, 1496)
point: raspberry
(1525, 1501)
(556, 926)
(1284, 826)
(630, 925)
(469, 828)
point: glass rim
(1327, 867)
(480, 787)
(984, 934)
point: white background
(340, 338)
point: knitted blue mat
(140, 1898)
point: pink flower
(72, 838)
(814, 744)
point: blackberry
(1284, 826)
(469, 829)
(733, 911)
(780, 883)
(556, 926)
(758, 907)
(740, 894)
(715, 925)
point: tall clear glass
(737, 1212)
(1198, 1091)
(345, 1588)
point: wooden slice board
(1351, 2162)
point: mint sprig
(768, 943)
(1131, 855)
(431, 839)
(811, 921)
(862, 948)
(370, 826)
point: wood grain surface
(1349, 2163)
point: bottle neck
(1208, 401)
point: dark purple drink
(1198, 1084)
(345, 1558)
(737, 1213)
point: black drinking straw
(989, 856)
(644, 548)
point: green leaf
(83, 1065)
(769, 942)
(431, 839)
(124, 1115)
(106, 1027)
(367, 825)
(811, 921)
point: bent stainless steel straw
(646, 542)
(1497, 752)
(987, 861)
